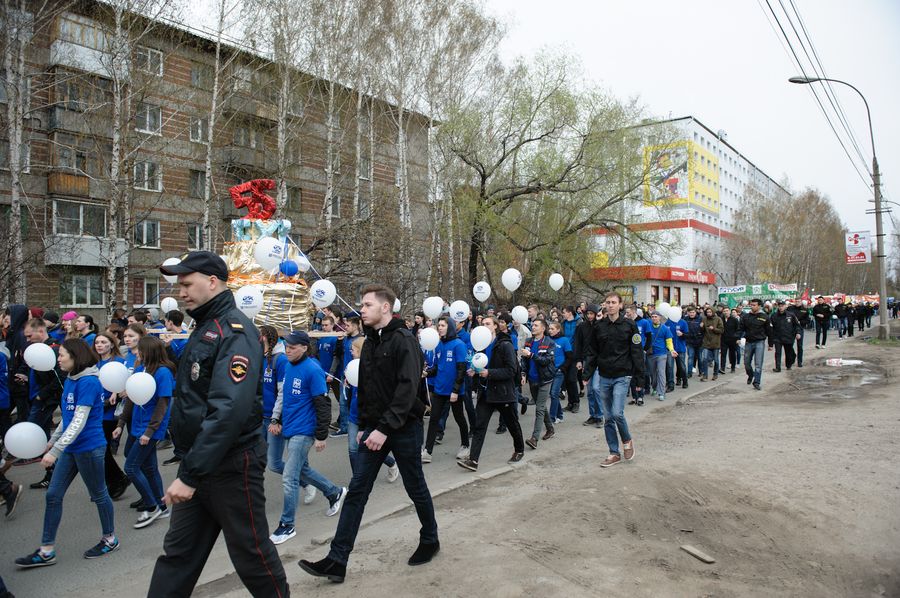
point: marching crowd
(608, 354)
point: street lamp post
(883, 329)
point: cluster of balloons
(669, 312)
(139, 387)
(272, 256)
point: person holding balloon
(77, 447)
(147, 415)
(540, 360)
(450, 374)
(44, 383)
(105, 346)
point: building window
(334, 206)
(194, 237)
(247, 136)
(146, 234)
(667, 293)
(148, 118)
(294, 197)
(362, 209)
(696, 294)
(654, 293)
(199, 129)
(676, 296)
(81, 31)
(292, 153)
(151, 291)
(70, 158)
(147, 176)
(202, 75)
(81, 290)
(197, 183)
(243, 78)
(365, 165)
(81, 219)
(149, 60)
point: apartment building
(70, 181)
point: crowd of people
(264, 398)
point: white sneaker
(283, 533)
(335, 508)
(426, 456)
(393, 473)
(309, 494)
(462, 453)
(148, 517)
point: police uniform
(215, 422)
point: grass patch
(891, 342)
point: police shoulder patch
(636, 339)
(239, 367)
(236, 326)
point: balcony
(249, 106)
(245, 158)
(65, 183)
(70, 250)
(93, 124)
(86, 59)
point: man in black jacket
(694, 339)
(581, 344)
(785, 332)
(215, 422)
(756, 329)
(822, 316)
(390, 421)
(44, 389)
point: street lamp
(876, 183)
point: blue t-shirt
(272, 375)
(302, 381)
(59, 335)
(130, 360)
(448, 354)
(353, 394)
(89, 339)
(430, 362)
(563, 346)
(326, 349)
(84, 392)
(142, 414)
(658, 335)
(177, 345)
(109, 411)
(4, 387)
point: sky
(721, 62)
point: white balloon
(459, 310)
(556, 281)
(511, 279)
(172, 261)
(351, 372)
(479, 361)
(480, 338)
(663, 308)
(303, 263)
(40, 357)
(168, 304)
(269, 253)
(396, 306)
(675, 314)
(481, 291)
(113, 376)
(429, 339)
(140, 388)
(25, 440)
(322, 293)
(519, 314)
(249, 300)
(433, 306)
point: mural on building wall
(668, 167)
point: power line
(799, 65)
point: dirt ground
(794, 490)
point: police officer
(215, 422)
(785, 331)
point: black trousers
(483, 413)
(115, 477)
(789, 355)
(822, 331)
(437, 408)
(570, 383)
(729, 351)
(231, 501)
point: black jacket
(822, 313)
(581, 342)
(16, 343)
(801, 313)
(544, 358)
(390, 369)
(619, 348)
(217, 407)
(694, 337)
(785, 328)
(49, 384)
(755, 326)
(732, 329)
(502, 369)
(840, 310)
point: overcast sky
(721, 62)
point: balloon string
(316, 272)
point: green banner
(735, 296)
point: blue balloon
(289, 268)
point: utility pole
(883, 326)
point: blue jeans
(42, 415)
(297, 467)
(670, 370)
(90, 466)
(612, 394)
(753, 354)
(406, 445)
(595, 406)
(692, 354)
(275, 451)
(353, 447)
(344, 413)
(708, 356)
(842, 327)
(556, 411)
(143, 471)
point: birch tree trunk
(329, 156)
(207, 242)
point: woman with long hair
(77, 447)
(107, 350)
(147, 426)
(86, 329)
(131, 336)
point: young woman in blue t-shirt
(147, 426)
(116, 481)
(77, 447)
(449, 376)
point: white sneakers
(335, 508)
(462, 453)
(393, 473)
(148, 517)
(309, 494)
(426, 456)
